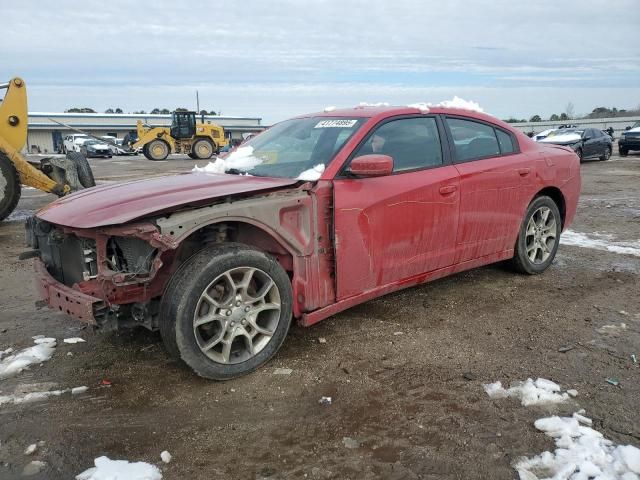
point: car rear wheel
(579, 153)
(157, 150)
(539, 237)
(226, 311)
(202, 149)
(607, 155)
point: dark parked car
(587, 143)
(629, 139)
(338, 208)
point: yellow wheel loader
(197, 140)
(56, 174)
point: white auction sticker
(336, 123)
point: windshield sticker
(336, 124)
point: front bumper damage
(103, 277)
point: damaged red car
(315, 215)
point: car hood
(123, 202)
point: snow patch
(378, 104)
(329, 109)
(455, 102)
(165, 456)
(598, 241)
(240, 159)
(539, 392)
(312, 174)
(581, 453)
(107, 469)
(38, 396)
(74, 340)
(12, 364)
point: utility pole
(197, 102)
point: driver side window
(413, 143)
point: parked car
(587, 143)
(94, 148)
(116, 145)
(544, 134)
(338, 208)
(72, 142)
(629, 139)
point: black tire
(181, 300)
(623, 152)
(192, 155)
(85, 174)
(10, 188)
(203, 149)
(157, 150)
(607, 155)
(579, 153)
(521, 261)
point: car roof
(381, 112)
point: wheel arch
(558, 197)
(238, 230)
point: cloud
(244, 56)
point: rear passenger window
(472, 140)
(505, 141)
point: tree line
(598, 112)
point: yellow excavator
(185, 135)
(55, 174)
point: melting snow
(456, 102)
(39, 396)
(599, 242)
(312, 174)
(378, 104)
(165, 456)
(540, 392)
(107, 469)
(329, 109)
(12, 364)
(582, 453)
(240, 159)
(74, 340)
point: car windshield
(92, 142)
(636, 125)
(294, 147)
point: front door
(392, 228)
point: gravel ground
(405, 372)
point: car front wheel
(539, 237)
(623, 152)
(226, 311)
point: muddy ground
(405, 372)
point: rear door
(496, 183)
(392, 228)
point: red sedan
(315, 215)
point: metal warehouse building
(45, 136)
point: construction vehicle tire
(157, 150)
(85, 175)
(192, 155)
(203, 148)
(10, 188)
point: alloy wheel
(540, 236)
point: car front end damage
(103, 277)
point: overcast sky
(274, 59)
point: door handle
(448, 189)
(523, 172)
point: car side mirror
(627, 128)
(586, 137)
(373, 165)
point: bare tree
(569, 110)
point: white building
(45, 136)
